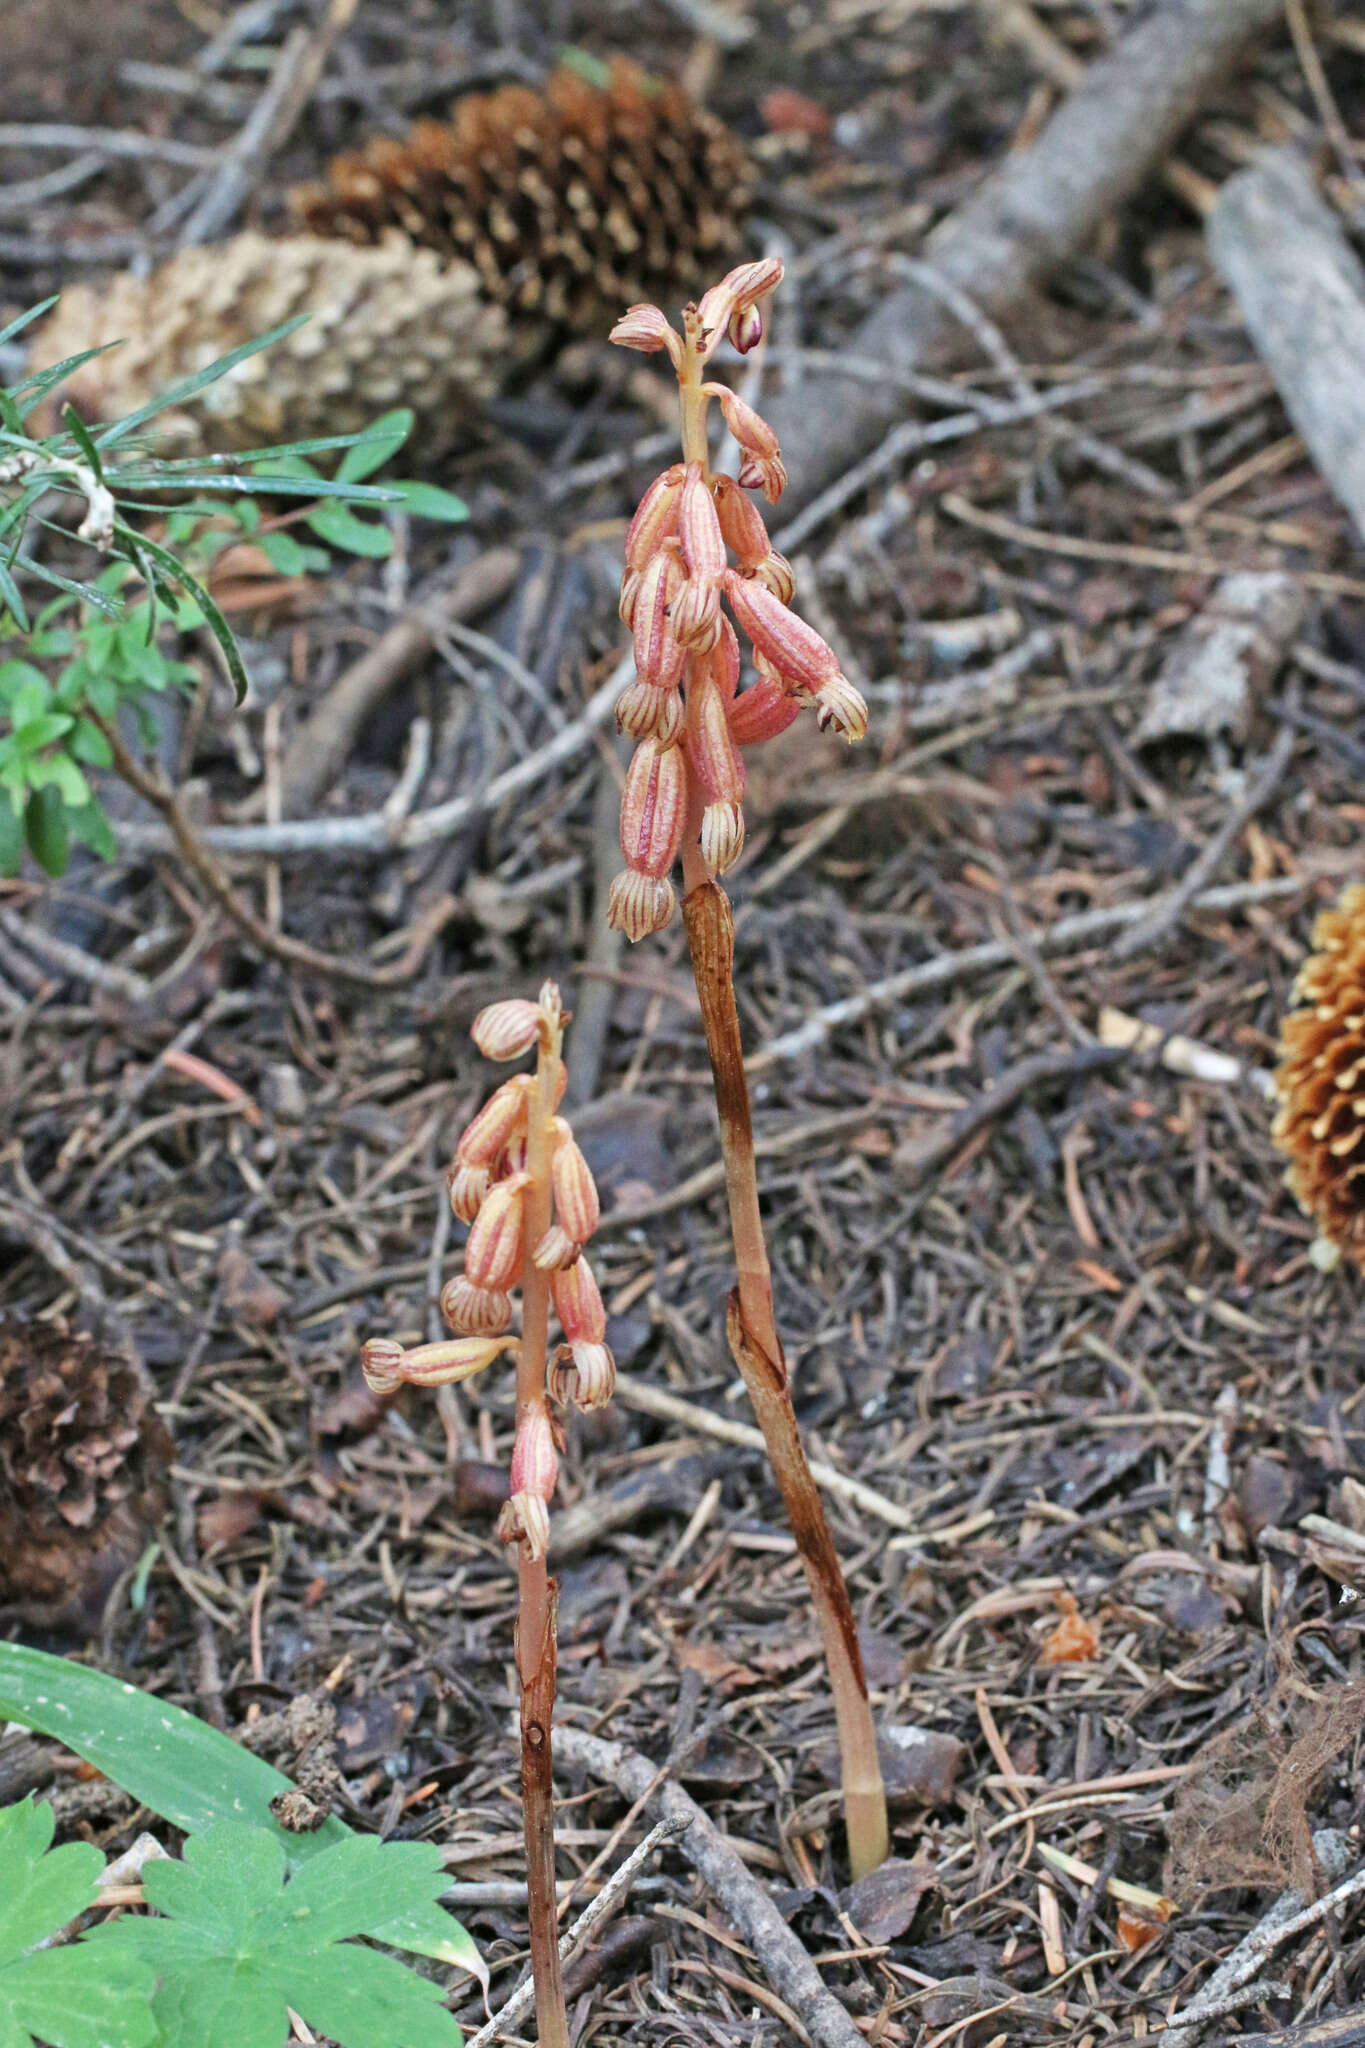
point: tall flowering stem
(520, 1182)
(684, 797)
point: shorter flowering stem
(538, 1594)
(757, 1349)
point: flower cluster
(685, 709)
(516, 1162)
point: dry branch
(1301, 290)
(752, 1913)
(1039, 208)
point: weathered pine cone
(389, 325)
(1320, 1081)
(83, 1462)
(570, 203)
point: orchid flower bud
(535, 1466)
(575, 1191)
(741, 524)
(578, 1304)
(452, 1360)
(645, 328)
(555, 1250)
(639, 904)
(658, 656)
(776, 573)
(492, 1257)
(653, 807)
(583, 1376)
(839, 705)
(768, 477)
(656, 517)
(630, 591)
(711, 750)
(525, 1519)
(696, 615)
(381, 1361)
(501, 1117)
(722, 836)
(745, 329)
(749, 428)
(504, 1031)
(475, 1311)
(643, 712)
(699, 534)
(467, 1186)
(792, 646)
(762, 712)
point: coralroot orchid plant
(522, 1185)
(684, 794)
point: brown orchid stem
(757, 1349)
(538, 1593)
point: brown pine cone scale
(570, 203)
(1320, 1081)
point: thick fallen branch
(1301, 290)
(752, 1913)
(320, 749)
(1038, 209)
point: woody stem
(538, 1593)
(757, 1349)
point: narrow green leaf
(186, 387)
(23, 320)
(80, 434)
(176, 573)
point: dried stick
(752, 1913)
(1288, 1916)
(1036, 210)
(577, 1937)
(152, 786)
(757, 1351)
(319, 750)
(1301, 290)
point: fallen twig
(1288, 1916)
(580, 1934)
(1038, 208)
(1301, 290)
(319, 750)
(1066, 935)
(785, 1963)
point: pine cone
(83, 1459)
(571, 203)
(390, 325)
(1320, 1081)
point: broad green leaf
(289, 556)
(189, 1773)
(70, 1997)
(429, 501)
(233, 1923)
(376, 446)
(340, 528)
(45, 829)
(90, 825)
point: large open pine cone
(83, 1460)
(1320, 1081)
(571, 203)
(387, 326)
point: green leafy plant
(240, 1946)
(105, 642)
(195, 1777)
(69, 1996)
